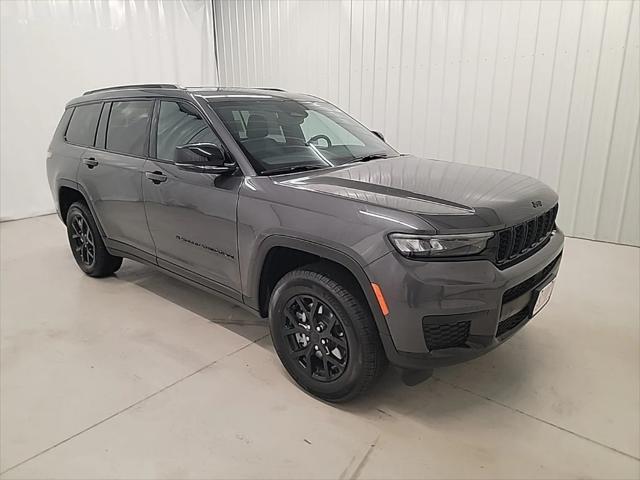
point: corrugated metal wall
(547, 88)
(52, 51)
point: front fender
(346, 260)
(251, 280)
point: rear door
(192, 216)
(111, 173)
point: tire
(351, 357)
(86, 243)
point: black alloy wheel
(82, 238)
(324, 333)
(87, 246)
(315, 337)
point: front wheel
(86, 244)
(325, 337)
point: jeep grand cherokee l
(284, 204)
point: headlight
(422, 246)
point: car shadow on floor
(200, 302)
(504, 369)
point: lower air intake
(451, 335)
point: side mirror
(203, 158)
(378, 134)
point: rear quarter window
(82, 127)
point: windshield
(282, 135)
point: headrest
(257, 126)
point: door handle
(156, 177)
(90, 162)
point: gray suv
(285, 205)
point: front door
(191, 216)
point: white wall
(550, 89)
(53, 51)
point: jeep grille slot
(516, 241)
(530, 283)
(511, 322)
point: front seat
(257, 140)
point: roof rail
(272, 89)
(141, 85)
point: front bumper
(442, 313)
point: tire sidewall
(74, 211)
(297, 283)
(104, 264)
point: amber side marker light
(381, 301)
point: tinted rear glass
(128, 127)
(82, 128)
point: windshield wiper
(372, 156)
(290, 169)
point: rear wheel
(86, 244)
(324, 336)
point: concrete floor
(141, 376)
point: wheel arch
(66, 197)
(262, 278)
(69, 192)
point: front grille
(529, 283)
(515, 242)
(451, 335)
(512, 322)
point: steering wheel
(318, 137)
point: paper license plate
(543, 297)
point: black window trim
(153, 134)
(102, 112)
(67, 122)
(66, 129)
(106, 110)
(105, 150)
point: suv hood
(450, 196)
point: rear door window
(127, 131)
(82, 128)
